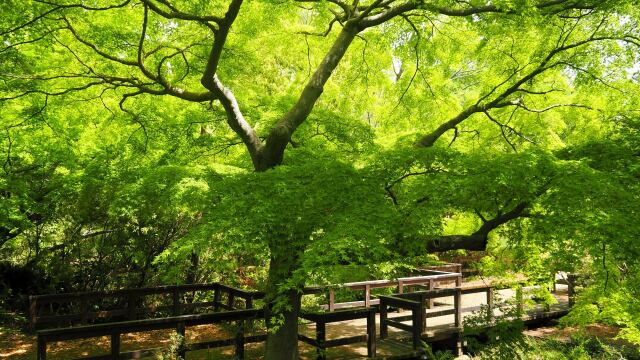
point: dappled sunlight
(16, 345)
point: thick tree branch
(280, 135)
(236, 119)
(429, 139)
(476, 241)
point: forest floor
(605, 333)
(17, 345)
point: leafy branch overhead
(146, 65)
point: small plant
(176, 343)
(438, 355)
(543, 296)
(503, 332)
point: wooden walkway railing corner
(321, 319)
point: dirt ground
(16, 345)
(605, 333)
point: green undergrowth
(577, 348)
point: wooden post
(383, 320)
(33, 311)
(332, 300)
(176, 302)
(519, 301)
(371, 334)
(423, 309)
(571, 292)
(131, 306)
(115, 346)
(216, 299)
(42, 348)
(416, 329)
(457, 305)
(321, 337)
(232, 300)
(84, 309)
(458, 350)
(249, 305)
(240, 340)
(489, 305)
(182, 349)
(400, 290)
(431, 287)
(367, 295)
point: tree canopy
(155, 141)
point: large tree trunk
(282, 340)
(283, 343)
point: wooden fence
(418, 303)
(132, 304)
(431, 278)
(179, 323)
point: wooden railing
(322, 318)
(431, 279)
(131, 304)
(446, 267)
(83, 308)
(179, 323)
(572, 281)
(418, 302)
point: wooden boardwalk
(398, 344)
(434, 310)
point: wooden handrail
(417, 302)
(323, 318)
(115, 330)
(130, 297)
(417, 312)
(47, 298)
(400, 283)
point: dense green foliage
(450, 124)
